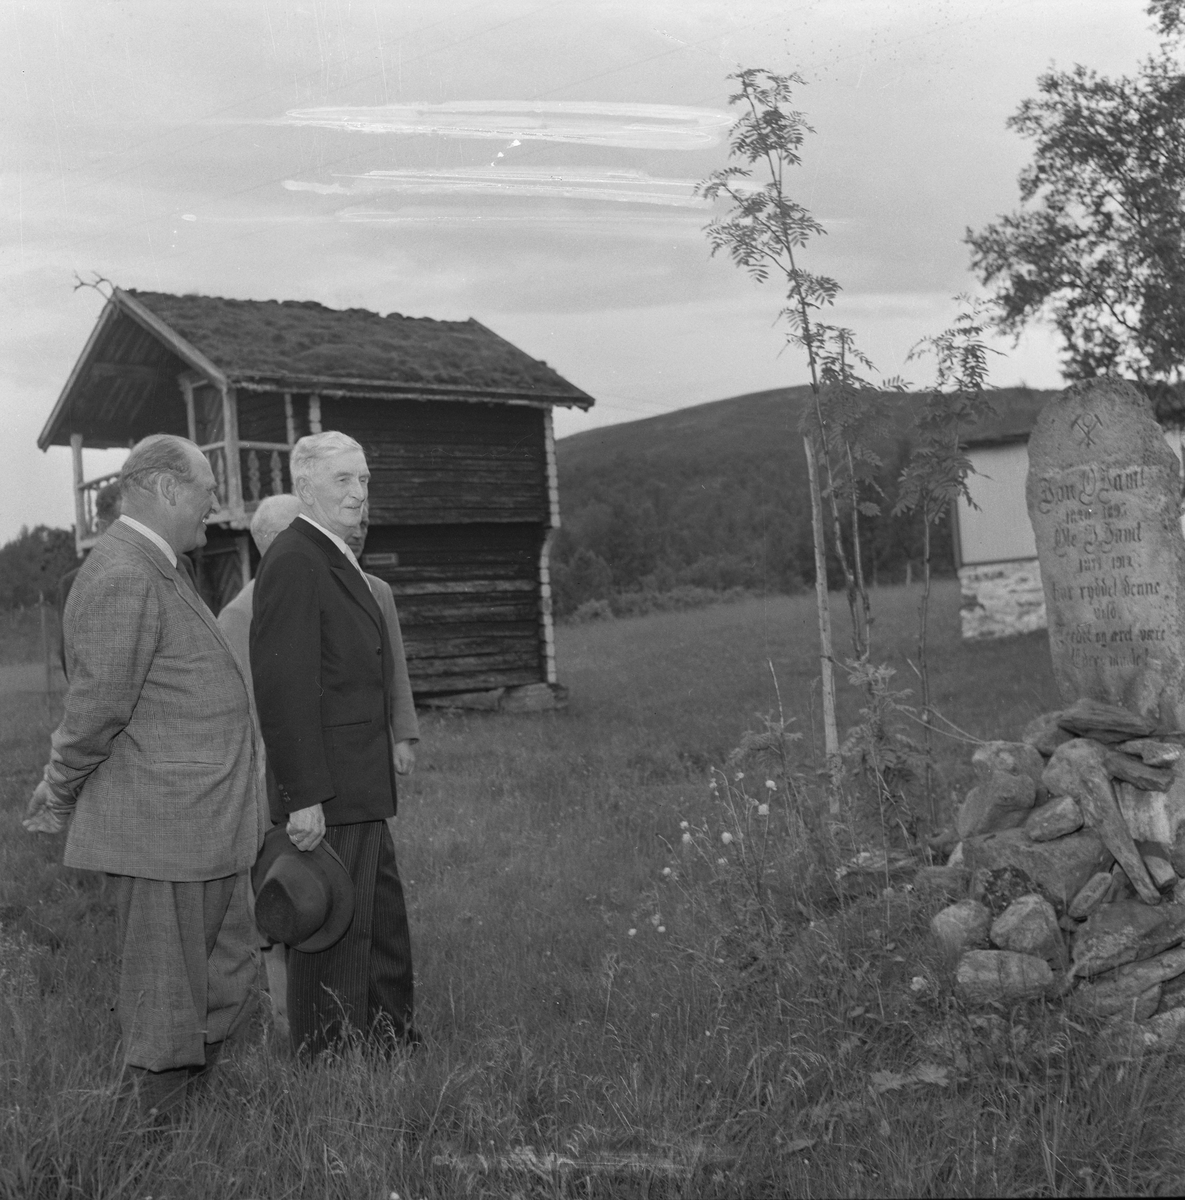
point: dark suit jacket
(323, 670)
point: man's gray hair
(273, 514)
(312, 448)
(156, 455)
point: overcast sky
(527, 163)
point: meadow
(614, 1004)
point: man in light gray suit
(156, 769)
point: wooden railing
(261, 471)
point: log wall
(468, 602)
(448, 462)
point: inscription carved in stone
(1104, 497)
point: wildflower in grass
(917, 983)
(662, 929)
(713, 787)
(654, 920)
(726, 837)
(739, 776)
(722, 862)
(770, 786)
(763, 810)
(684, 825)
(631, 932)
(686, 838)
(666, 872)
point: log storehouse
(457, 427)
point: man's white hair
(311, 449)
(272, 515)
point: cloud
(560, 183)
(577, 122)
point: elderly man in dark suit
(322, 661)
(156, 768)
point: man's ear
(167, 483)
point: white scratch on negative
(560, 183)
(579, 122)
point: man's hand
(306, 827)
(404, 756)
(44, 813)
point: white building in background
(995, 551)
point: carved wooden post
(80, 525)
(234, 476)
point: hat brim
(341, 886)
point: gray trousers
(188, 967)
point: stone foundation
(1002, 599)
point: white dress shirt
(153, 537)
(341, 545)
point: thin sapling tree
(765, 231)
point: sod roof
(265, 339)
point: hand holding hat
(304, 899)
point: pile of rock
(1071, 852)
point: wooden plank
(234, 472)
(520, 475)
(504, 489)
(480, 447)
(551, 473)
(443, 572)
(454, 516)
(442, 685)
(517, 661)
(452, 587)
(185, 382)
(424, 634)
(81, 532)
(495, 642)
(126, 373)
(435, 612)
(546, 626)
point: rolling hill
(715, 496)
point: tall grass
(607, 1013)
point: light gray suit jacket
(235, 619)
(158, 743)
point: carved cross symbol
(1086, 424)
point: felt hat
(304, 899)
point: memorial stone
(1104, 498)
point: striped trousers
(363, 983)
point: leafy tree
(765, 232)
(1098, 247)
(32, 563)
